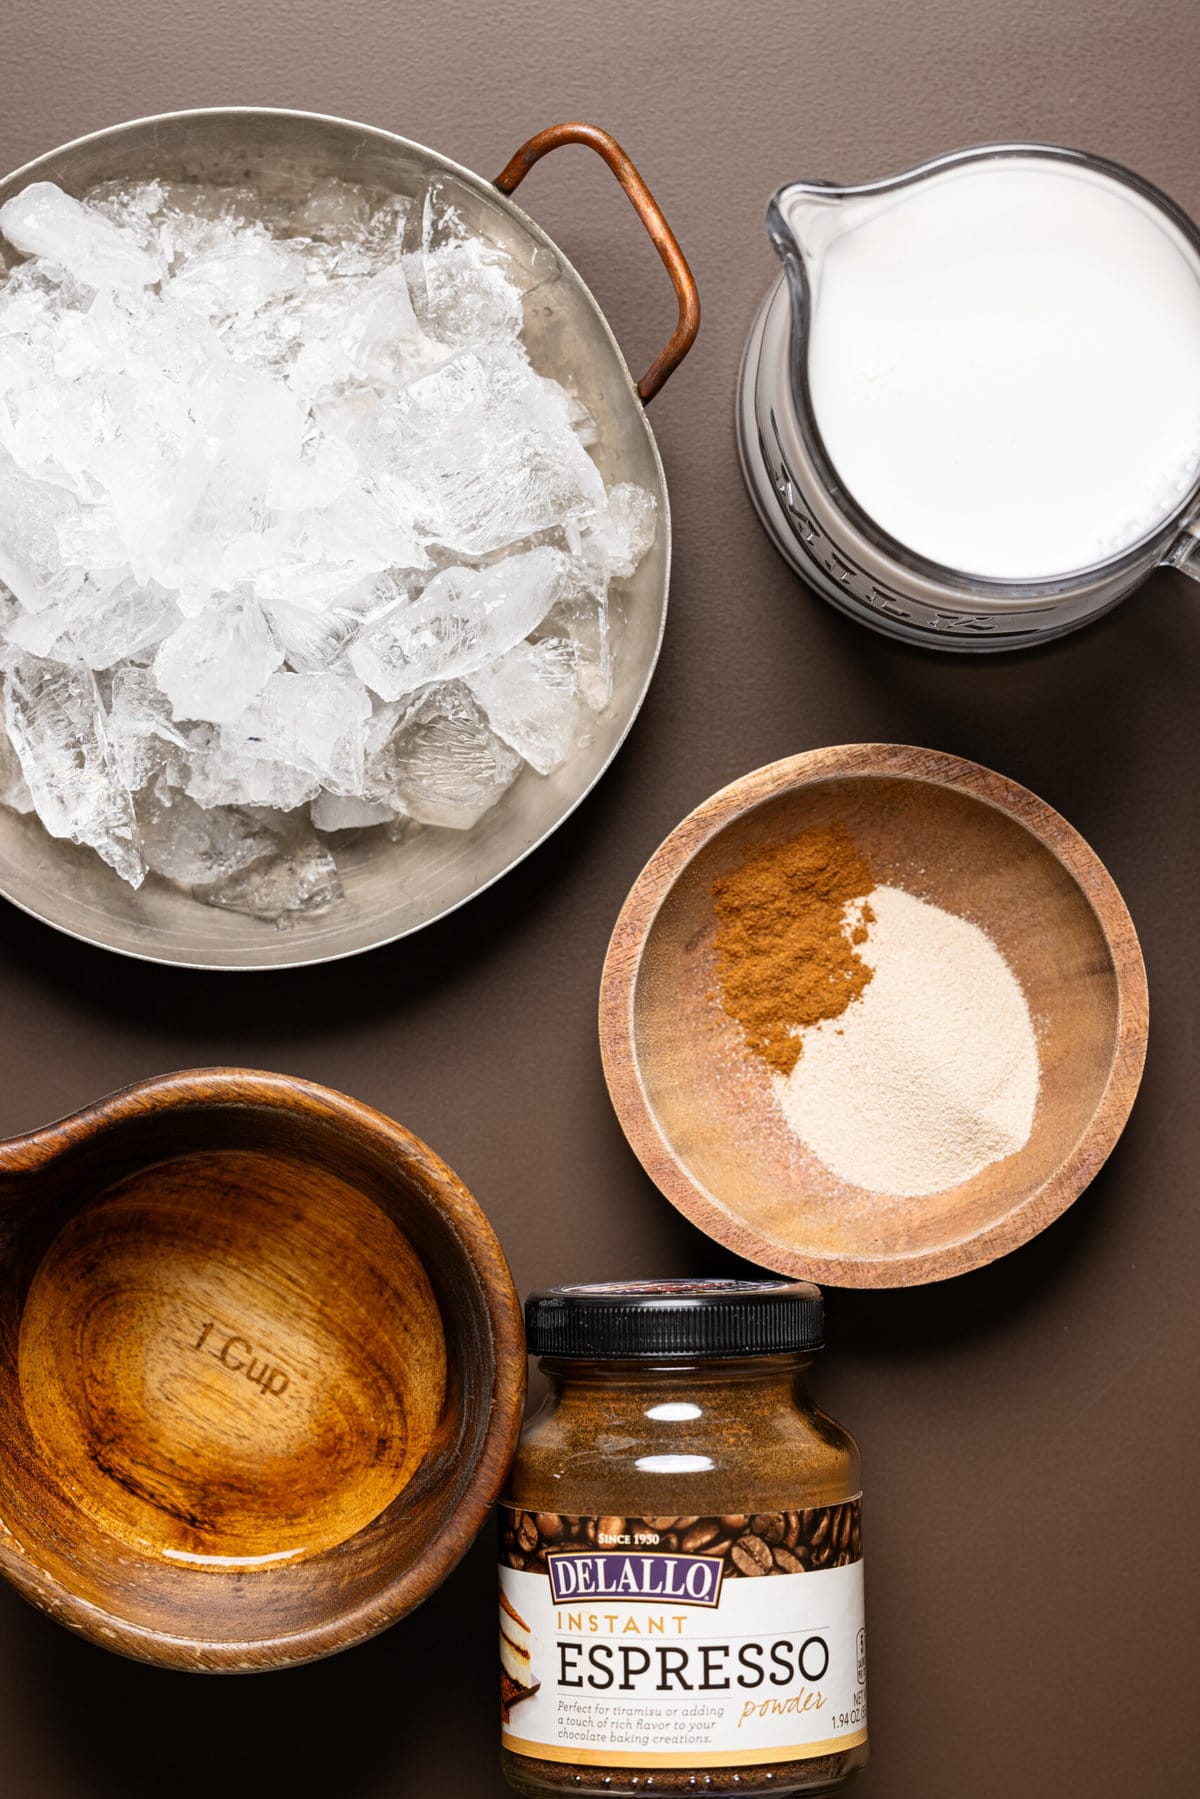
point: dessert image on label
(516, 1663)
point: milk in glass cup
(969, 411)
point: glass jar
(681, 1595)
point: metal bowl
(390, 888)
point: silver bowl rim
(488, 189)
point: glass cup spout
(803, 219)
(806, 218)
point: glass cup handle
(1184, 553)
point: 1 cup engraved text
(239, 1355)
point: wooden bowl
(700, 1110)
(261, 1370)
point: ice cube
(464, 618)
(34, 296)
(94, 611)
(468, 295)
(325, 469)
(469, 282)
(364, 532)
(615, 539)
(154, 207)
(237, 278)
(483, 448)
(444, 765)
(311, 637)
(334, 210)
(300, 877)
(258, 432)
(338, 812)
(136, 206)
(56, 723)
(581, 616)
(38, 633)
(532, 700)
(123, 422)
(582, 423)
(30, 514)
(383, 241)
(313, 722)
(212, 667)
(233, 767)
(90, 540)
(14, 790)
(304, 731)
(192, 843)
(126, 621)
(44, 221)
(381, 732)
(355, 329)
(145, 740)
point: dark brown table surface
(1029, 1431)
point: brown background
(1028, 1431)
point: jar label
(682, 1642)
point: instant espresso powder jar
(681, 1577)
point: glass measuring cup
(807, 507)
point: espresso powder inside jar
(681, 1557)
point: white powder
(932, 1073)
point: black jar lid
(663, 1319)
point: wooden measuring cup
(261, 1370)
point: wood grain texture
(261, 1370)
(700, 1110)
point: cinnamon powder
(785, 958)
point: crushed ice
(293, 538)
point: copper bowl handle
(648, 211)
